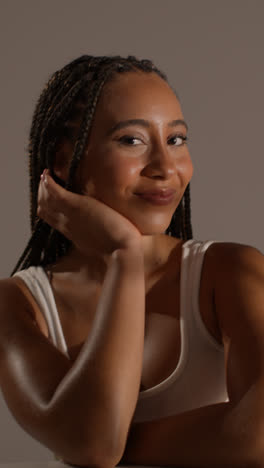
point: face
(122, 158)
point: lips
(157, 199)
(158, 193)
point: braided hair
(70, 96)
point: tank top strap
(195, 270)
(37, 281)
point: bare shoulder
(10, 296)
(228, 247)
(14, 292)
(231, 260)
(238, 276)
(15, 299)
(11, 290)
(229, 255)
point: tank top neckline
(183, 351)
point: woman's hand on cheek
(50, 202)
(84, 220)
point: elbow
(75, 446)
(83, 456)
(89, 462)
(257, 452)
(86, 441)
(257, 440)
(95, 451)
(98, 457)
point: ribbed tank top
(199, 378)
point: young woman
(122, 338)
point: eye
(181, 138)
(128, 140)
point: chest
(162, 344)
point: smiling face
(136, 144)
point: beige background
(212, 51)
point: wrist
(133, 244)
(130, 255)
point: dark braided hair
(70, 96)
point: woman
(123, 339)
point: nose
(161, 162)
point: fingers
(52, 193)
(50, 203)
(59, 197)
(57, 206)
(55, 191)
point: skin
(112, 170)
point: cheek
(119, 171)
(185, 167)
(109, 173)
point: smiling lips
(158, 197)
(158, 192)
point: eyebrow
(143, 123)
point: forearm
(100, 391)
(216, 436)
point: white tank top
(199, 378)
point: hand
(84, 220)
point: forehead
(138, 95)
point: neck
(93, 266)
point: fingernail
(45, 179)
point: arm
(80, 411)
(227, 434)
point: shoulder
(232, 261)
(229, 257)
(239, 309)
(12, 286)
(17, 299)
(14, 296)
(9, 288)
(238, 279)
(232, 256)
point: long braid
(70, 94)
(94, 93)
(57, 86)
(43, 106)
(92, 99)
(187, 214)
